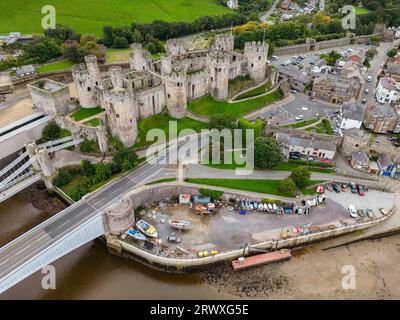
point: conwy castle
(149, 86)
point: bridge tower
(257, 56)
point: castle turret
(176, 92)
(86, 77)
(140, 59)
(218, 63)
(257, 55)
(121, 110)
(117, 79)
(166, 64)
(175, 47)
(224, 42)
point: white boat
(181, 224)
(147, 229)
(260, 207)
(270, 208)
(265, 207)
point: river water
(90, 272)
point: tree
(287, 187)
(88, 168)
(108, 36)
(62, 178)
(392, 53)
(267, 153)
(126, 165)
(120, 43)
(301, 177)
(103, 172)
(221, 122)
(122, 155)
(137, 36)
(51, 132)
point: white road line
(3, 262)
(23, 249)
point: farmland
(91, 16)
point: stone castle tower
(166, 64)
(176, 93)
(121, 108)
(224, 42)
(175, 47)
(257, 55)
(218, 63)
(86, 76)
(140, 59)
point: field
(160, 121)
(209, 107)
(55, 66)
(91, 16)
(253, 185)
(84, 113)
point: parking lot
(286, 114)
(372, 199)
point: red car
(325, 161)
(360, 190)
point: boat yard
(225, 228)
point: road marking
(3, 262)
(23, 249)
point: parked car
(361, 213)
(360, 190)
(299, 117)
(173, 238)
(364, 100)
(370, 214)
(293, 90)
(383, 211)
(353, 188)
(369, 78)
(344, 187)
(319, 114)
(311, 99)
(310, 159)
(366, 91)
(352, 211)
(336, 188)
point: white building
(351, 116)
(387, 90)
(233, 4)
(307, 147)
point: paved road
(267, 14)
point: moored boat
(181, 224)
(147, 229)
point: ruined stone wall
(176, 94)
(197, 85)
(151, 101)
(219, 75)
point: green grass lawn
(362, 10)
(209, 107)
(84, 113)
(255, 92)
(322, 128)
(91, 16)
(55, 66)
(253, 185)
(93, 122)
(301, 124)
(161, 121)
(118, 55)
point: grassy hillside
(90, 16)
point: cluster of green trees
(299, 179)
(91, 174)
(267, 153)
(52, 132)
(62, 41)
(381, 11)
(151, 34)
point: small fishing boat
(147, 229)
(260, 207)
(136, 235)
(181, 224)
(265, 207)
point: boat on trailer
(136, 235)
(181, 224)
(147, 229)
